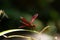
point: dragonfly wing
(33, 18)
(24, 20)
(28, 25)
(21, 26)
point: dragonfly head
(32, 25)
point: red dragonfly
(28, 24)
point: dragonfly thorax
(32, 25)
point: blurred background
(48, 10)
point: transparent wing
(28, 25)
(24, 20)
(33, 18)
(21, 26)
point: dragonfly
(28, 24)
